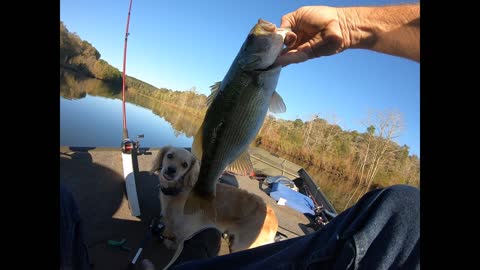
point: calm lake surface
(91, 116)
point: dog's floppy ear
(190, 177)
(157, 162)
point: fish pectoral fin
(199, 205)
(197, 149)
(243, 164)
(215, 89)
(276, 104)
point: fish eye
(184, 164)
(169, 155)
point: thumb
(288, 20)
(290, 40)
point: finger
(333, 33)
(290, 39)
(284, 51)
(291, 57)
(319, 46)
(331, 41)
(332, 46)
(307, 50)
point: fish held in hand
(237, 108)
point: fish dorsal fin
(243, 164)
(215, 89)
(276, 104)
(197, 147)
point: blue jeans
(382, 231)
(73, 250)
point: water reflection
(182, 122)
(75, 86)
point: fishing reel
(318, 209)
(320, 218)
(128, 145)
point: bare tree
(389, 125)
(386, 125)
(362, 164)
(330, 133)
(306, 132)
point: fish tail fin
(242, 165)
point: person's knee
(410, 193)
(405, 199)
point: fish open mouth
(283, 31)
(267, 26)
(271, 28)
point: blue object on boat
(294, 199)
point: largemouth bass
(237, 108)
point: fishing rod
(129, 148)
(124, 113)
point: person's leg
(205, 244)
(73, 251)
(382, 231)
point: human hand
(317, 32)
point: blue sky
(181, 44)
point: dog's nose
(171, 170)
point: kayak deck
(95, 177)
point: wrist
(393, 30)
(356, 30)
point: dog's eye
(184, 165)
(169, 155)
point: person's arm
(323, 31)
(392, 30)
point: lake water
(91, 116)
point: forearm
(392, 30)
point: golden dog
(244, 217)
